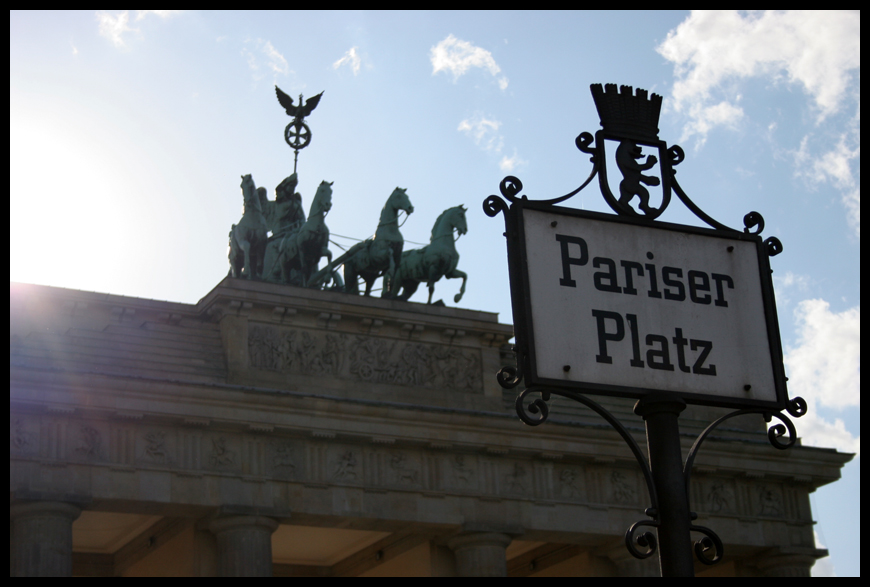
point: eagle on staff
(297, 134)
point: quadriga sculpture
(296, 254)
(248, 237)
(436, 260)
(376, 256)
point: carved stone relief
(90, 442)
(770, 499)
(321, 460)
(404, 472)
(719, 498)
(517, 480)
(462, 471)
(221, 455)
(155, 447)
(375, 360)
(570, 483)
(283, 459)
(21, 439)
(346, 467)
(621, 488)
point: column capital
(480, 554)
(26, 509)
(41, 538)
(478, 539)
(244, 545)
(225, 523)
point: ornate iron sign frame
(527, 349)
(632, 120)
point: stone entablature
(324, 410)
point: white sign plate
(629, 308)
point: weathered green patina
(432, 262)
(379, 255)
(248, 237)
(294, 254)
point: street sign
(615, 306)
(626, 305)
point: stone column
(480, 554)
(42, 538)
(244, 545)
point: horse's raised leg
(454, 274)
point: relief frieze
(321, 460)
(365, 358)
(570, 482)
(405, 473)
(90, 442)
(155, 447)
(221, 455)
(20, 438)
(462, 473)
(719, 498)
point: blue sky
(129, 131)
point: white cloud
(788, 286)
(703, 118)
(836, 166)
(266, 51)
(458, 57)
(824, 369)
(484, 132)
(350, 58)
(712, 50)
(112, 27)
(486, 135)
(508, 164)
(164, 14)
(275, 60)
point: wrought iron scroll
(709, 549)
(797, 407)
(511, 186)
(646, 540)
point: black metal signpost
(629, 306)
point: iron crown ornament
(631, 120)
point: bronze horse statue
(247, 245)
(379, 255)
(436, 260)
(300, 252)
